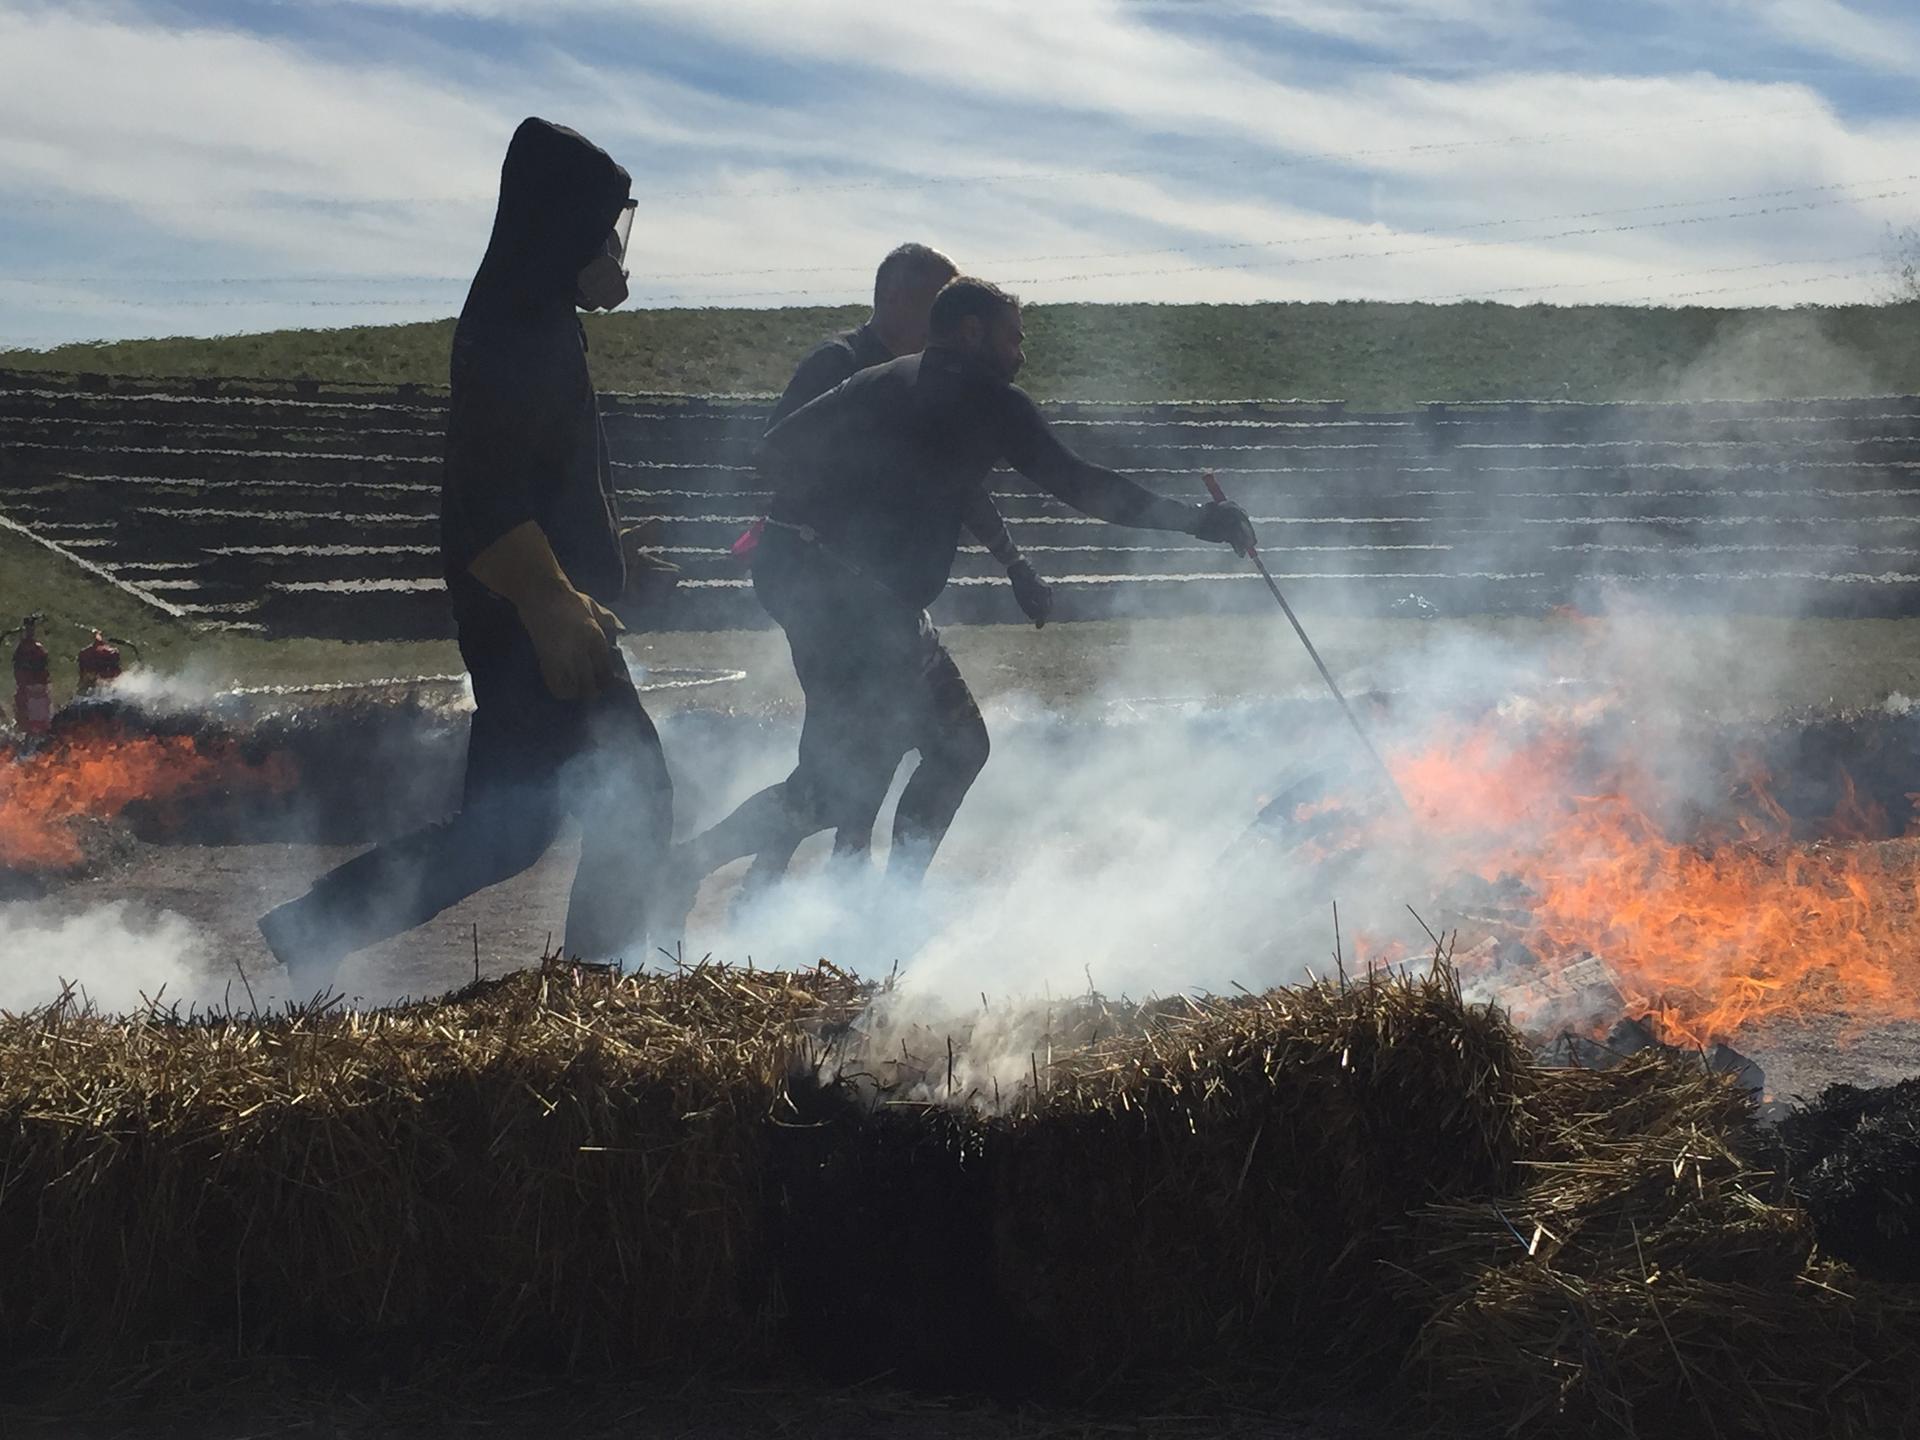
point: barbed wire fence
(1267, 256)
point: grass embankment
(1373, 355)
(74, 600)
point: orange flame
(96, 776)
(1706, 937)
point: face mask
(602, 281)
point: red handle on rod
(1252, 552)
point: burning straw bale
(1644, 1283)
(556, 1166)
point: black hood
(559, 197)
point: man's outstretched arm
(1035, 451)
(983, 520)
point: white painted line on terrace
(230, 454)
(323, 550)
(356, 587)
(145, 597)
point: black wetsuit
(834, 359)
(871, 485)
(846, 355)
(524, 442)
(828, 364)
(885, 467)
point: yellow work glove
(572, 633)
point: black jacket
(841, 358)
(826, 365)
(884, 467)
(523, 431)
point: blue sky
(205, 168)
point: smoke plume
(119, 956)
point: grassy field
(1817, 664)
(1373, 355)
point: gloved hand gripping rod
(1253, 554)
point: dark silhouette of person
(533, 559)
(871, 484)
(904, 287)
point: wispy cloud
(1889, 42)
(336, 163)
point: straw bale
(1318, 1187)
(1852, 1157)
(1228, 1186)
(1643, 1282)
(563, 1165)
(1211, 1184)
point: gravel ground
(221, 889)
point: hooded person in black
(533, 559)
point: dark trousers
(532, 762)
(878, 683)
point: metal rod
(1253, 554)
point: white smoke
(120, 956)
(202, 687)
(1109, 857)
(192, 687)
(1103, 849)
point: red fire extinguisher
(32, 674)
(99, 664)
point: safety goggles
(623, 229)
